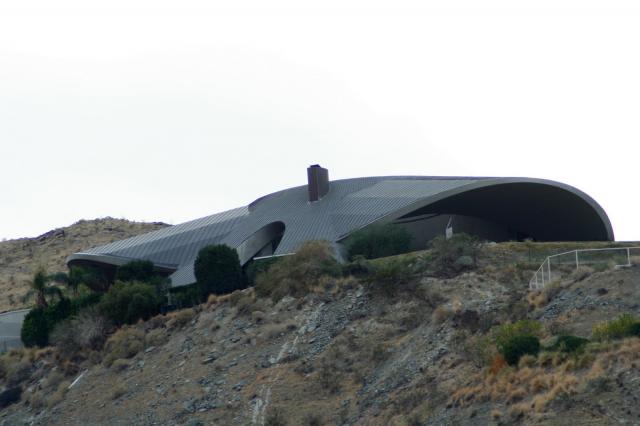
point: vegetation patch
(625, 325)
(298, 274)
(454, 255)
(123, 344)
(217, 270)
(126, 303)
(378, 241)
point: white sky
(168, 111)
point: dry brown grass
(16, 365)
(178, 319)
(258, 317)
(441, 314)
(124, 343)
(56, 397)
(120, 365)
(212, 301)
(273, 331)
(532, 387)
(118, 391)
(156, 337)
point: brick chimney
(318, 179)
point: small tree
(296, 275)
(456, 254)
(378, 241)
(126, 303)
(35, 330)
(518, 339)
(217, 270)
(40, 288)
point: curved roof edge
(487, 182)
(114, 260)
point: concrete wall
(10, 325)
(424, 229)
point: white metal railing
(567, 262)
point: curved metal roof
(349, 205)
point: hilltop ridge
(19, 258)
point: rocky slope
(20, 258)
(354, 352)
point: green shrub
(454, 255)
(85, 301)
(39, 322)
(516, 339)
(358, 266)
(35, 330)
(569, 344)
(386, 276)
(256, 267)
(93, 277)
(217, 270)
(126, 303)
(519, 328)
(184, 296)
(295, 275)
(624, 325)
(517, 346)
(123, 344)
(136, 270)
(378, 241)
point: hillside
(20, 258)
(363, 350)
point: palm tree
(40, 288)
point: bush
(136, 270)
(123, 344)
(217, 270)
(378, 241)
(386, 276)
(39, 322)
(454, 255)
(295, 275)
(93, 277)
(517, 346)
(520, 328)
(275, 417)
(358, 266)
(256, 267)
(624, 325)
(569, 344)
(126, 303)
(85, 301)
(35, 329)
(184, 297)
(86, 331)
(180, 318)
(517, 339)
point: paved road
(10, 324)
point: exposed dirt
(352, 353)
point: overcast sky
(168, 111)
